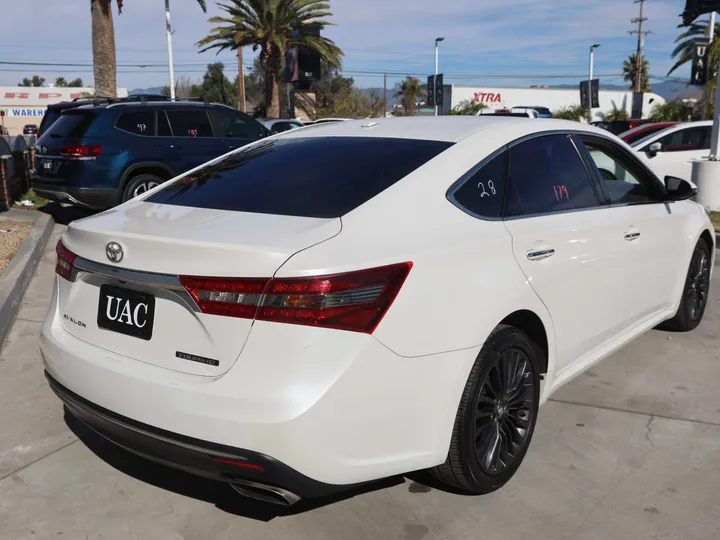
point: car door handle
(176, 147)
(632, 235)
(540, 254)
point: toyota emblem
(114, 252)
(44, 149)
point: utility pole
(384, 95)
(168, 31)
(641, 39)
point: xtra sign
(487, 97)
(24, 112)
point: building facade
(22, 105)
(552, 98)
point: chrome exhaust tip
(265, 493)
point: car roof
(431, 128)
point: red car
(643, 130)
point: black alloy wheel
(696, 291)
(497, 414)
(505, 411)
(697, 286)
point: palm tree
(467, 107)
(573, 112)
(103, 45)
(273, 26)
(672, 111)
(630, 69)
(684, 49)
(615, 114)
(409, 90)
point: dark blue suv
(102, 154)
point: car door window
(482, 193)
(163, 126)
(683, 140)
(137, 123)
(545, 175)
(232, 125)
(623, 180)
(190, 123)
(279, 127)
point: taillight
(224, 296)
(65, 259)
(82, 151)
(355, 301)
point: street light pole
(437, 40)
(168, 30)
(590, 78)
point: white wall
(552, 98)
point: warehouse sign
(14, 111)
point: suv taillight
(83, 151)
(355, 301)
(65, 260)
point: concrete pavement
(629, 450)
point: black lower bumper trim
(187, 453)
(94, 198)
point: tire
(695, 291)
(140, 184)
(469, 466)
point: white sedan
(671, 152)
(405, 300)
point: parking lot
(630, 449)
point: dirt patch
(12, 234)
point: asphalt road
(629, 450)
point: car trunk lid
(159, 243)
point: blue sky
(500, 43)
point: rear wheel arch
(156, 169)
(530, 323)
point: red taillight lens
(65, 259)
(226, 296)
(355, 301)
(80, 152)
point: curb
(17, 275)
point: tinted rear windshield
(312, 177)
(71, 124)
(49, 118)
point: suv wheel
(140, 184)
(497, 414)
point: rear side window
(323, 177)
(137, 123)
(482, 193)
(279, 127)
(233, 125)
(71, 124)
(49, 118)
(190, 123)
(163, 125)
(547, 175)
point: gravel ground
(12, 233)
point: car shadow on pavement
(63, 215)
(211, 491)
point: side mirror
(678, 189)
(654, 148)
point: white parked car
(671, 151)
(279, 125)
(405, 300)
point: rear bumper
(186, 453)
(94, 198)
(338, 408)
